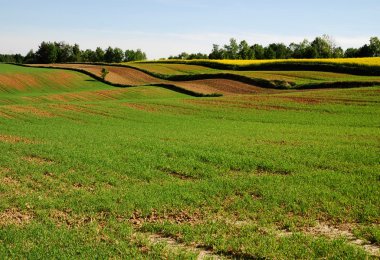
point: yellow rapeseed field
(354, 61)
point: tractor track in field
(174, 245)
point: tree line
(321, 47)
(61, 52)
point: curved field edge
(94, 76)
(365, 69)
(257, 82)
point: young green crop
(250, 176)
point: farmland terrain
(284, 165)
(205, 80)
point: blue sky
(167, 27)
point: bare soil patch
(142, 107)
(5, 115)
(4, 170)
(37, 160)
(108, 94)
(223, 86)
(343, 231)
(303, 100)
(17, 81)
(83, 108)
(67, 107)
(132, 76)
(176, 174)
(240, 104)
(15, 139)
(71, 220)
(335, 232)
(14, 216)
(174, 245)
(160, 108)
(29, 110)
(118, 75)
(138, 219)
(9, 181)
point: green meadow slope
(88, 170)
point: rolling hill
(151, 172)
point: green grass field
(92, 171)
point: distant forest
(321, 47)
(61, 52)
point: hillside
(129, 76)
(202, 80)
(89, 169)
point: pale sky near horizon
(168, 27)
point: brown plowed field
(134, 77)
(118, 75)
(223, 86)
(17, 81)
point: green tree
(99, 54)
(109, 55)
(197, 56)
(118, 55)
(269, 53)
(30, 57)
(231, 50)
(104, 73)
(76, 53)
(89, 56)
(374, 45)
(140, 55)
(129, 55)
(216, 53)
(365, 51)
(299, 50)
(324, 47)
(64, 51)
(47, 53)
(183, 56)
(259, 51)
(245, 52)
(338, 52)
(351, 53)
(280, 51)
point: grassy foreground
(97, 172)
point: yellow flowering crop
(352, 61)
